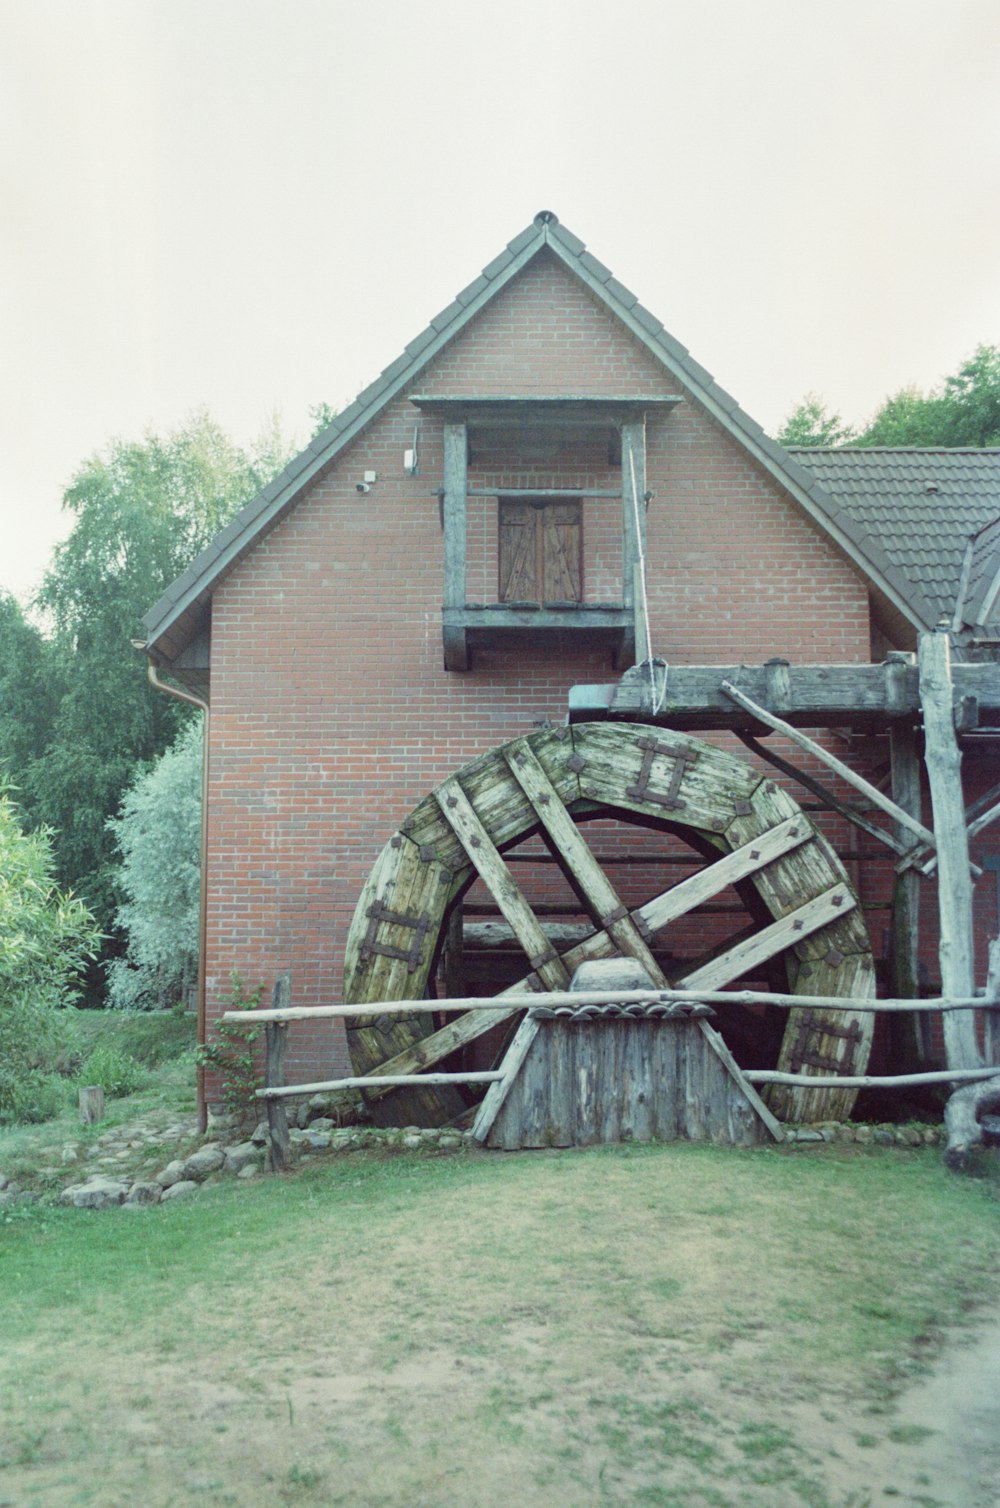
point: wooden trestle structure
(628, 753)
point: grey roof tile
(469, 294)
(618, 291)
(647, 320)
(596, 269)
(530, 233)
(401, 364)
(447, 316)
(914, 508)
(494, 268)
(566, 237)
(421, 342)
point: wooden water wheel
(752, 833)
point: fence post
(276, 1041)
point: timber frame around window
(617, 624)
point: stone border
(247, 1159)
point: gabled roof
(174, 620)
(922, 505)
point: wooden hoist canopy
(753, 831)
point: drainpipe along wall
(200, 1029)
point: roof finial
(546, 217)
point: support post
(943, 759)
(908, 1045)
(454, 508)
(633, 519)
(276, 1040)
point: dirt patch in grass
(663, 1326)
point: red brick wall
(331, 712)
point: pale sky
(252, 205)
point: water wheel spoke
(722, 873)
(464, 821)
(786, 933)
(598, 891)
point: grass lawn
(663, 1325)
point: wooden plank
(410, 880)
(748, 859)
(497, 1093)
(943, 760)
(801, 875)
(849, 776)
(460, 813)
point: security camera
(363, 487)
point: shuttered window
(541, 551)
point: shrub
(117, 1072)
(157, 835)
(233, 1053)
(46, 936)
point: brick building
(539, 476)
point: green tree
(964, 410)
(142, 511)
(972, 397)
(809, 423)
(31, 685)
(46, 938)
(157, 836)
(908, 417)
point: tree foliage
(809, 423)
(157, 837)
(46, 938)
(963, 411)
(142, 510)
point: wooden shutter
(518, 553)
(561, 551)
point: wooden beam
(815, 696)
(278, 1092)
(943, 760)
(907, 1044)
(518, 998)
(849, 813)
(497, 1093)
(870, 1081)
(851, 777)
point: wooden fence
(277, 1018)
